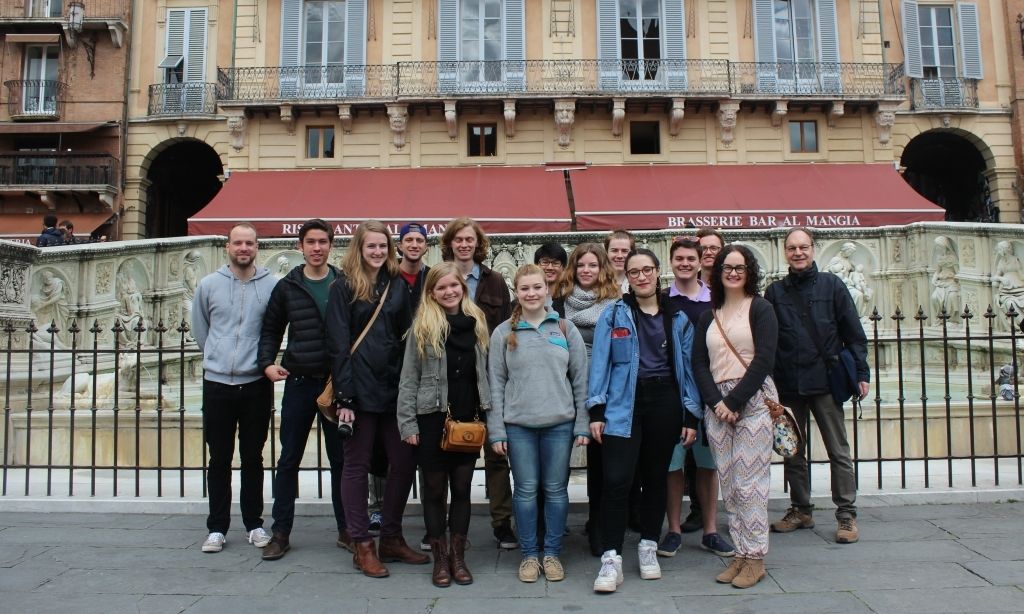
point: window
(640, 38)
(480, 39)
(794, 38)
(320, 142)
(184, 63)
(324, 46)
(483, 140)
(644, 138)
(938, 56)
(44, 8)
(803, 137)
(40, 92)
(943, 47)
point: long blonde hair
(605, 286)
(430, 328)
(517, 311)
(357, 272)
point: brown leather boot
(751, 574)
(393, 548)
(460, 572)
(365, 560)
(730, 572)
(441, 576)
(277, 547)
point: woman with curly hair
(733, 358)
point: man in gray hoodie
(227, 314)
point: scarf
(583, 309)
(462, 331)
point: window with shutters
(184, 63)
(640, 38)
(39, 94)
(323, 41)
(938, 55)
(795, 47)
(943, 53)
(480, 40)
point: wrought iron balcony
(35, 99)
(816, 80)
(194, 98)
(49, 10)
(563, 78)
(306, 83)
(56, 170)
(943, 93)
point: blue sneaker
(670, 544)
(713, 542)
(375, 521)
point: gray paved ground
(929, 558)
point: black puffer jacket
(292, 305)
(798, 368)
(370, 376)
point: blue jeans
(540, 457)
(298, 410)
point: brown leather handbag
(466, 437)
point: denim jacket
(615, 363)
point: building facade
(62, 122)
(268, 85)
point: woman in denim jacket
(444, 371)
(642, 400)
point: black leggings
(657, 426)
(435, 491)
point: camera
(344, 429)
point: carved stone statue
(853, 276)
(1008, 280)
(945, 285)
(284, 265)
(189, 280)
(129, 309)
(51, 305)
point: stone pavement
(962, 557)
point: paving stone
(935, 512)
(582, 604)
(14, 554)
(241, 558)
(165, 604)
(1000, 573)
(799, 603)
(84, 520)
(870, 552)
(26, 578)
(887, 531)
(849, 577)
(336, 602)
(986, 527)
(1004, 548)
(943, 600)
(190, 581)
(37, 603)
(70, 534)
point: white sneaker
(214, 542)
(610, 576)
(258, 537)
(647, 551)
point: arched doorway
(182, 180)
(949, 170)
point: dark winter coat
(292, 305)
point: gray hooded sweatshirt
(227, 315)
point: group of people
(663, 386)
(54, 234)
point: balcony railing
(57, 169)
(944, 93)
(36, 99)
(814, 79)
(287, 83)
(545, 78)
(17, 10)
(195, 98)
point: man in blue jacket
(801, 376)
(227, 312)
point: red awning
(24, 228)
(502, 199)
(746, 196)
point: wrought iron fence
(115, 411)
(12, 10)
(289, 83)
(809, 79)
(36, 99)
(944, 93)
(193, 98)
(57, 168)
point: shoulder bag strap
(800, 301)
(373, 318)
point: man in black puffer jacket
(801, 376)
(299, 301)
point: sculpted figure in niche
(1008, 279)
(945, 285)
(189, 279)
(51, 305)
(283, 266)
(129, 309)
(843, 267)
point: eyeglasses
(635, 273)
(739, 269)
(711, 249)
(547, 262)
(792, 249)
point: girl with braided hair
(538, 377)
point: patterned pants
(743, 452)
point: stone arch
(177, 178)
(955, 169)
